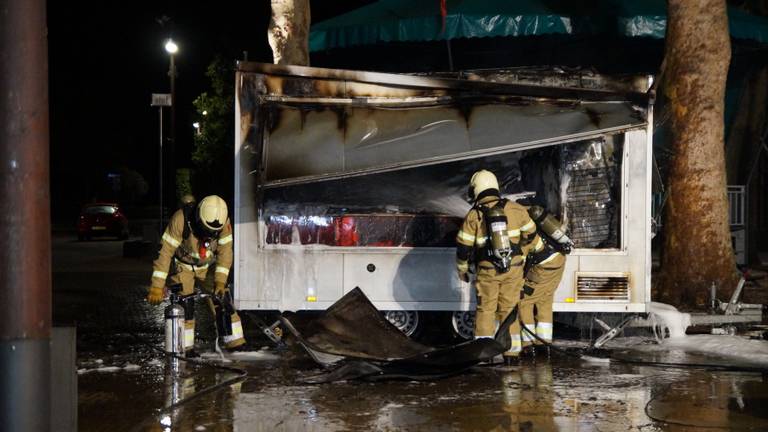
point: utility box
(64, 379)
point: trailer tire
(407, 322)
(463, 324)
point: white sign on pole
(161, 99)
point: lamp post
(161, 100)
(172, 48)
(25, 278)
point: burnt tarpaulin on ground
(353, 335)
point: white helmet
(482, 181)
(212, 213)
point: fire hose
(726, 368)
(177, 348)
(241, 373)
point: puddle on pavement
(563, 395)
(732, 401)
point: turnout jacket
(186, 252)
(472, 235)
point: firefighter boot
(189, 326)
(528, 353)
(511, 360)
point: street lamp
(171, 46)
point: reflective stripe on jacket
(472, 235)
(187, 252)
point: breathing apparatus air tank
(174, 324)
(549, 225)
(500, 247)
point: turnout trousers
(497, 295)
(544, 278)
(186, 275)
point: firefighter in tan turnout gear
(197, 238)
(494, 231)
(545, 265)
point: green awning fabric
(420, 20)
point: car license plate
(98, 228)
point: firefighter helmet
(187, 199)
(212, 213)
(482, 181)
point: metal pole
(172, 157)
(160, 178)
(25, 261)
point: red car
(102, 219)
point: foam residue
(736, 347)
(129, 367)
(240, 356)
(254, 355)
(598, 360)
(666, 317)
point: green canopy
(420, 20)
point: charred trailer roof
(361, 122)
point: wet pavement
(124, 385)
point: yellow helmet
(482, 181)
(212, 213)
(187, 199)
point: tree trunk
(697, 243)
(289, 32)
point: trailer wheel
(405, 321)
(464, 324)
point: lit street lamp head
(171, 47)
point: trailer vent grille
(602, 286)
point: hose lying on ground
(727, 368)
(241, 373)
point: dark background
(105, 61)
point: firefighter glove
(155, 295)
(219, 288)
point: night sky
(105, 61)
